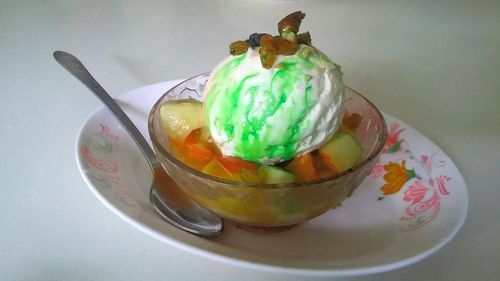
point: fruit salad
(272, 113)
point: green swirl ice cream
(275, 97)
(271, 115)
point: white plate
(371, 232)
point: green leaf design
(396, 147)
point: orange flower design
(396, 177)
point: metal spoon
(190, 217)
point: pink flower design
(105, 166)
(441, 183)
(105, 131)
(423, 191)
(420, 213)
(416, 192)
(427, 161)
(378, 170)
(393, 143)
(425, 203)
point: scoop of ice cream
(271, 115)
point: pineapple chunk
(181, 117)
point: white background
(433, 64)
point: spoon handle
(75, 67)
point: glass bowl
(268, 205)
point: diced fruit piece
(198, 135)
(341, 152)
(303, 167)
(204, 134)
(304, 38)
(270, 174)
(291, 22)
(200, 153)
(249, 176)
(278, 45)
(195, 155)
(273, 46)
(324, 170)
(351, 121)
(234, 164)
(238, 48)
(193, 137)
(214, 168)
(266, 40)
(233, 206)
(285, 47)
(289, 36)
(267, 57)
(180, 118)
(254, 39)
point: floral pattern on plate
(423, 190)
(97, 151)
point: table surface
(433, 64)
